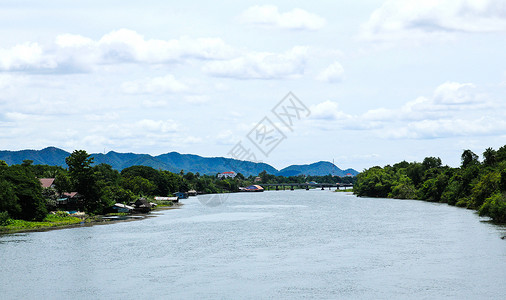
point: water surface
(276, 244)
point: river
(276, 244)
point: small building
(47, 182)
(258, 179)
(142, 205)
(192, 193)
(72, 200)
(181, 195)
(122, 208)
(231, 174)
(170, 199)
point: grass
(346, 190)
(163, 203)
(49, 221)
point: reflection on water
(291, 244)
(13, 238)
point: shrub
(494, 207)
(4, 218)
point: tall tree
(489, 157)
(84, 180)
(468, 158)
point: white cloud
(450, 111)
(157, 125)
(25, 56)
(414, 19)
(333, 73)
(78, 53)
(156, 85)
(127, 45)
(429, 129)
(269, 16)
(455, 93)
(261, 65)
(447, 99)
(328, 110)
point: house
(192, 193)
(142, 205)
(72, 200)
(231, 174)
(258, 179)
(121, 208)
(171, 199)
(181, 195)
(47, 182)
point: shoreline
(90, 221)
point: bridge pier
(291, 188)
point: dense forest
(474, 185)
(100, 186)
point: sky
(360, 83)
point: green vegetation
(25, 204)
(56, 220)
(475, 185)
(273, 179)
(344, 190)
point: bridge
(282, 186)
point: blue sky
(384, 81)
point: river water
(276, 244)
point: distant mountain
(320, 168)
(47, 156)
(174, 162)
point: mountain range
(174, 162)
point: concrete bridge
(283, 186)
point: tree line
(100, 186)
(474, 185)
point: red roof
(46, 182)
(228, 173)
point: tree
(468, 158)
(494, 207)
(106, 174)
(403, 188)
(84, 180)
(28, 193)
(155, 176)
(9, 202)
(374, 182)
(431, 162)
(62, 183)
(489, 157)
(501, 154)
(27, 162)
(139, 185)
(486, 187)
(415, 172)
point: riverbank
(62, 221)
